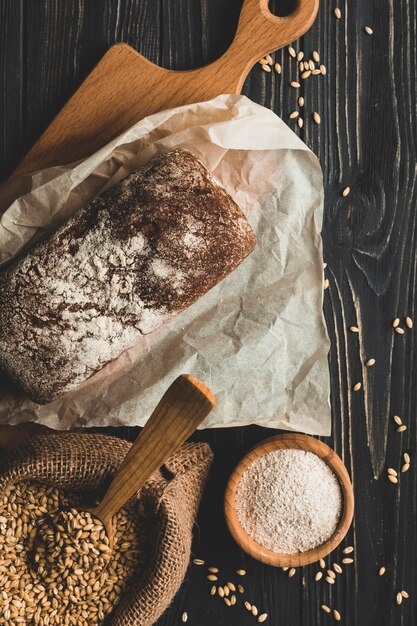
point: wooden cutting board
(125, 87)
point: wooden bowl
(254, 549)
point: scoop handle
(185, 404)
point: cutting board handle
(126, 87)
(259, 32)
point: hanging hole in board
(282, 8)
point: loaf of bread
(137, 255)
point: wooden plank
(125, 87)
(11, 80)
(366, 139)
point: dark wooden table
(367, 140)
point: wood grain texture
(367, 139)
(126, 87)
(181, 410)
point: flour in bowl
(289, 501)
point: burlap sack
(88, 462)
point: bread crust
(138, 254)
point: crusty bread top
(139, 253)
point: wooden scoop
(181, 409)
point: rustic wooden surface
(367, 140)
(126, 86)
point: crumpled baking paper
(258, 339)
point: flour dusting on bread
(135, 256)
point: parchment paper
(258, 339)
